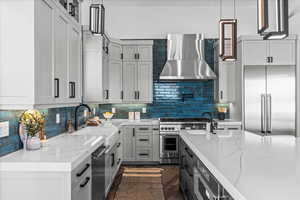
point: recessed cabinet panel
(145, 53)
(129, 53)
(129, 136)
(74, 65)
(255, 52)
(282, 52)
(115, 51)
(61, 59)
(115, 81)
(145, 79)
(44, 88)
(129, 81)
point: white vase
(33, 143)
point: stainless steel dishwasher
(98, 174)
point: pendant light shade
(228, 39)
(97, 19)
(282, 19)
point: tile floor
(170, 183)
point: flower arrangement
(108, 115)
(33, 121)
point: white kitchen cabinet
(269, 52)
(137, 71)
(41, 63)
(129, 81)
(75, 71)
(145, 81)
(128, 133)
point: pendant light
(282, 19)
(228, 36)
(97, 19)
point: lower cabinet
(141, 143)
(187, 163)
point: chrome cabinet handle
(263, 113)
(84, 170)
(56, 88)
(86, 182)
(269, 113)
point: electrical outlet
(57, 118)
(113, 110)
(94, 111)
(144, 110)
(4, 129)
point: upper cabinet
(39, 72)
(138, 71)
(269, 52)
(117, 71)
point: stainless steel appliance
(186, 59)
(169, 136)
(206, 186)
(269, 99)
(98, 174)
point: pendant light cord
(220, 9)
(234, 11)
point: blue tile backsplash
(173, 99)
(12, 142)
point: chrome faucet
(76, 110)
(212, 126)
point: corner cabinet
(42, 68)
(137, 71)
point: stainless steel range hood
(186, 59)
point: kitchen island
(249, 166)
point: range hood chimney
(186, 59)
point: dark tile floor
(170, 182)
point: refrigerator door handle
(263, 113)
(269, 113)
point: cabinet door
(44, 53)
(105, 76)
(115, 51)
(282, 52)
(226, 82)
(145, 53)
(128, 143)
(255, 53)
(115, 81)
(108, 172)
(129, 53)
(129, 81)
(156, 143)
(83, 190)
(75, 65)
(61, 90)
(145, 81)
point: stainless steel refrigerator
(269, 99)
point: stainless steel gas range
(169, 136)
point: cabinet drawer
(144, 140)
(83, 189)
(81, 171)
(144, 154)
(144, 129)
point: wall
(168, 98)
(12, 142)
(154, 19)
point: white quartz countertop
(61, 153)
(250, 166)
(142, 122)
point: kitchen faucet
(212, 127)
(76, 110)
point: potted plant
(32, 123)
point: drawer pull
(87, 180)
(187, 151)
(82, 172)
(144, 140)
(144, 154)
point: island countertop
(249, 166)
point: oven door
(169, 146)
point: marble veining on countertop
(249, 166)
